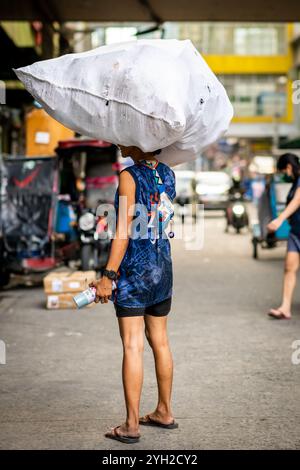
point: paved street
(234, 387)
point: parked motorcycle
(95, 167)
(95, 238)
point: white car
(213, 189)
(184, 180)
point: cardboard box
(62, 301)
(71, 282)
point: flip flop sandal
(148, 421)
(118, 437)
(281, 315)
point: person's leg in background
(289, 283)
(157, 336)
(290, 276)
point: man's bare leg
(156, 333)
(132, 335)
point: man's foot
(124, 434)
(158, 419)
(279, 314)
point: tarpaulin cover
(27, 192)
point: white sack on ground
(154, 94)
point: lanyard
(153, 167)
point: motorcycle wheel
(4, 278)
(87, 257)
(255, 248)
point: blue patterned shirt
(145, 274)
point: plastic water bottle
(85, 298)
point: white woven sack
(154, 94)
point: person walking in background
(142, 268)
(289, 165)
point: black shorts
(161, 309)
(293, 243)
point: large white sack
(154, 94)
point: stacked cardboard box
(60, 287)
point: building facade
(254, 62)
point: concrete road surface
(235, 386)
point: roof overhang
(149, 10)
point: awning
(13, 56)
(150, 10)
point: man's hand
(103, 289)
(274, 225)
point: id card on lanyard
(164, 207)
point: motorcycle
(95, 240)
(95, 168)
(236, 213)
